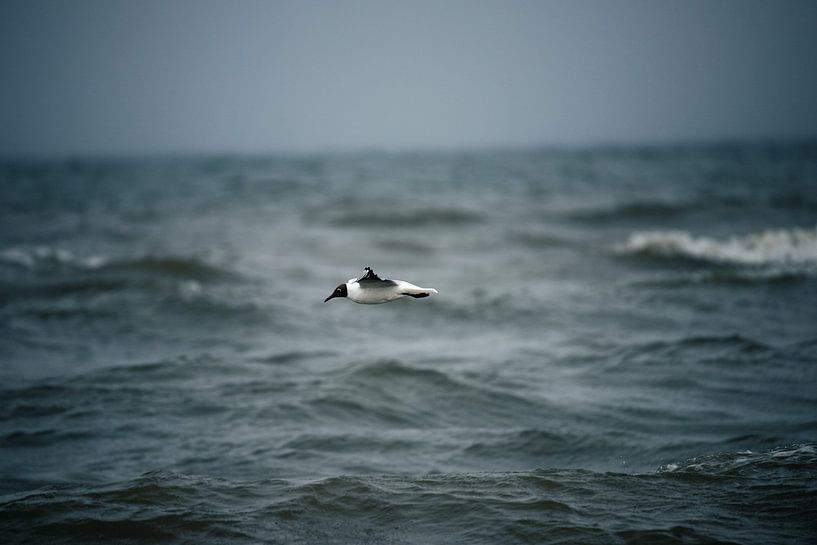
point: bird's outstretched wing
(371, 280)
(370, 275)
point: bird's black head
(340, 291)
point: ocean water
(623, 348)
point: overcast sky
(196, 76)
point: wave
(530, 444)
(40, 438)
(39, 257)
(634, 210)
(739, 343)
(660, 209)
(707, 360)
(292, 357)
(781, 247)
(446, 395)
(732, 277)
(399, 216)
(430, 398)
(748, 463)
(746, 497)
(171, 266)
(46, 259)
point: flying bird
(373, 290)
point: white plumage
(373, 290)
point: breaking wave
(786, 247)
(46, 258)
(791, 458)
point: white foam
(32, 257)
(771, 247)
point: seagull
(373, 290)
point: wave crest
(799, 457)
(47, 256)
(770, 247)
(45, 259)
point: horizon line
(464, 149)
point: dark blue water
(623, 348)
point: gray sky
(189, 76)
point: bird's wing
(370, 275)
(407, 288)
(371, 280)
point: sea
(623, 348)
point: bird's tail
(418, 292)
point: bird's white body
(390, 291)
(370, 289)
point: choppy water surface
(623, 349)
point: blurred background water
(623, 348)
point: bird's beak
(330, 297)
